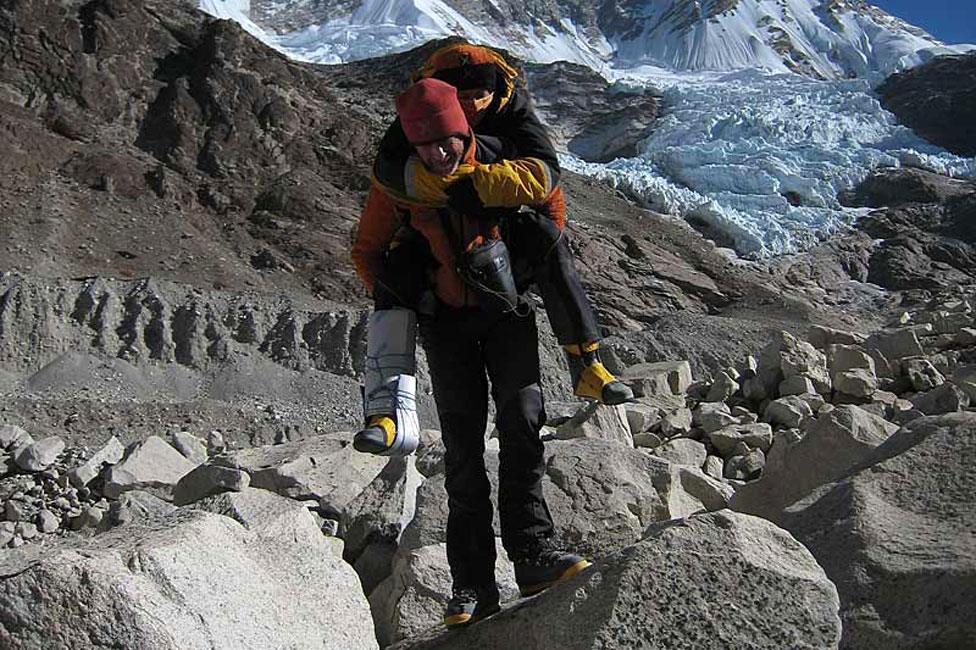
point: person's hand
(462, 197)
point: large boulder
(189, 579)
(721, 579)
(896, 537)
(787, 356)
(659, 378)
(152, 464)
(412, 599)
(371, 524)
(326, 468)
(836, 442)
(596, 421)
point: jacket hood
(458, 55)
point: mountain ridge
(818, 38)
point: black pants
(540, 254)
(465, 349)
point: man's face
(443, 156)
(474, 102)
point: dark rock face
(927, 228)
(937, 100)
(588, 116)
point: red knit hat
(429, 110)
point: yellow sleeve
(511, 183)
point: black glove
(463, 198)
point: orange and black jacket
(527, 170)
(511, 162)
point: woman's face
(442, 156)
(474, 102)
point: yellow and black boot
(591, 379)
(377, 437)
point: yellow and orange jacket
(422, 208)
(520, 167)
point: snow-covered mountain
(767, 105)
(820, 38)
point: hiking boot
(378, 436)
(591, 379)
(541, 568)
(470, 604)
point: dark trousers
(540, 254)
(465, 349)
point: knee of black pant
(531, 235)
(403, 277)
(521, 416)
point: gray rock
(785, 357)
(797, 385)
(822, 337)
(412, 599)
(842, 358)
(692, 490)
(966, 337)
(215, 443)
(714, 466)
(137, 505)
(896, 537)
(325, 468)
(859, 383)
(26, 530)
(635, 599)
(192, 579)
(640, 417)
(683, 451)
(832, 445)
(47, 521)
(39, 455)
(600, 422)
(151, 465)
(758, 435)
(660, 378)
(964, 376)
(950, 323)
(882, 366)
(676, 423)
(647, 440)
(16, 510)
(190, 446)
(110, 454)
(815, 402)
(379, 514)
(712, 416)
(746, 467)
(789, 411)
(947, 398)
(754, 389)
(12, 436)
(207, 480)
(896, 345)
(922, 374)
(722, 388)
